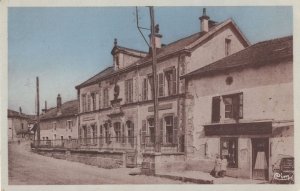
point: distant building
(116, 105)
(59, 123)
(241, 107)
(18, 125)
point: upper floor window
(233, 106)
(129, 91)
(227, 47)
(161, 84)
(105, 98)
(69, 124)
(171, 81)
(88, 103)
(145, 89)
(93, 95)
(83, 101)
(117, 128)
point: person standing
(223, 166)
(217, 167)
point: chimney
(204, 20)
(45, 109)
(20, 110)
(58, 107)
(157, 37)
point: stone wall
(95, 158)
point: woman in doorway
(223, 166)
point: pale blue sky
(66, 46)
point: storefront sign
(259, 128)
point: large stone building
(19, 125)
(59, 123)
(116, 105)
(241, 107)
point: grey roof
(262, 53)
(186, 43)
(68, 109)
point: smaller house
(59, 123)
(18, 125)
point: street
(28, 168)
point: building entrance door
(260, 158)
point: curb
(185, 179)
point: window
(171, 81)
(94, 133)
(83, 100)
(107, 134)
(215, 117)
(54, 136)
(150, 79)
(70, 138)
(233, 106)
(22, 125)
(69, 125)
(229, 150)
(130, 131)
(160, 84)
(129, 91)
(88, 103)
(145, 89)
(169, 129)
(105, 98)
(117, 127)
(61, 137)
(151, 129)
(93, 95)
(54, 126)
(227, 47)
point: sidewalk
(205, 178)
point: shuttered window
(161, 85)
(129, 91)
(145, 89)
(105, 97)
(171, 81)
(233, 106)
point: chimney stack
(157, 37)
(58, 107)
(20, 110)
(204, 20)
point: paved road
(27, 168)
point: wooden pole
(155, 88)
(38, 110)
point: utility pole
(38, 110)
(155, 88)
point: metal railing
(168, 143)
(109, 143)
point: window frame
(129, 90)
(237, 106)
(227, 46)
(236, 150)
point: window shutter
(161, 84)
(236, 106)
(241, 106)
(126, 91)
(161, 128)
(174, 81)
(216, 109)
(175, 130)
(143, 133)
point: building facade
(241, 107)
(18, 125)
(116, 105)
(59, 124)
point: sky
(66, 46)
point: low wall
(95, 158)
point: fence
(110, 143)
(167, 143)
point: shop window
(233, 106)
(129, 91)
(117, 128)
(171, 81)
(229, 150)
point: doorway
(260, 158)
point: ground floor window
(151, 130)
(229, 150)
(117, 128)
(169, 129)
